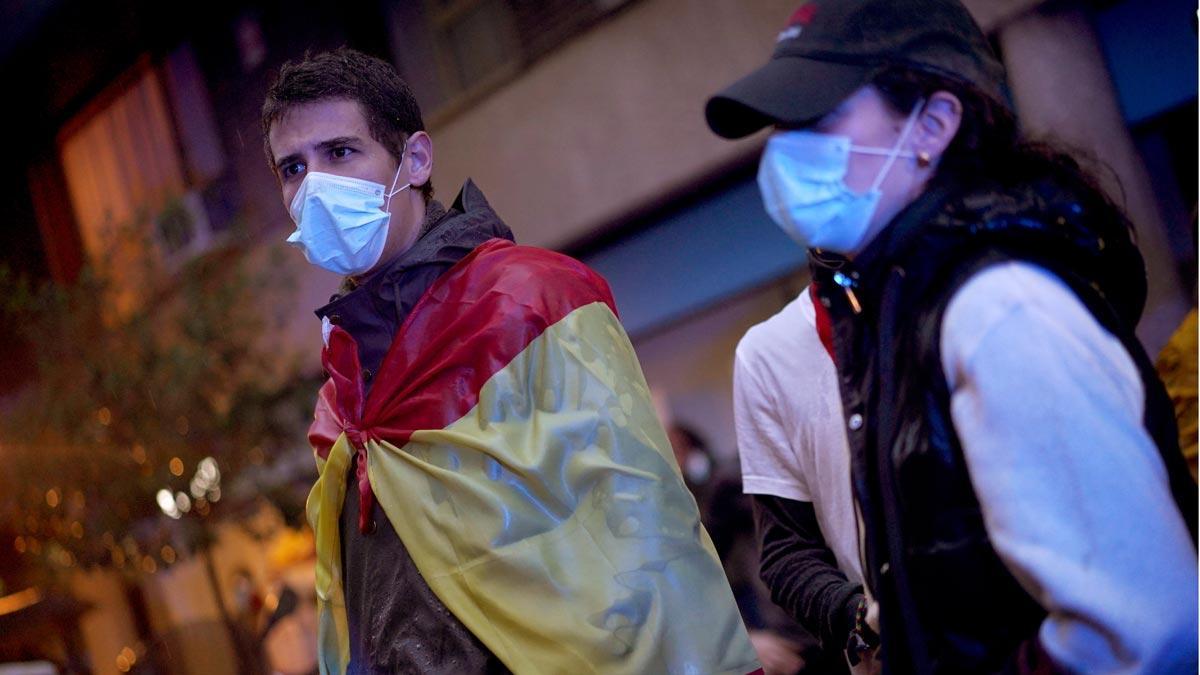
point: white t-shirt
(790, 434)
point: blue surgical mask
(802, 178)
(342, 222)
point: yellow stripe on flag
(552, 521)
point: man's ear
(938, 123)
(420, 152)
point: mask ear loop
(392, 190)
(895, 153)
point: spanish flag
(511, 440)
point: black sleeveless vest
(948, 603)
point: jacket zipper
(848, 285)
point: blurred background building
(580, 119)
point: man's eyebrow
(323, 145)
(339, 141)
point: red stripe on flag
(473, 321)
(824, 323)
(470, 324)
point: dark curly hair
(387, 102)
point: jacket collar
(469, 222)
(374, 311)
(904, 230)
(868, 267)
(1046, 217)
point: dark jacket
(397, 624)
(927, 552)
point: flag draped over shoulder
(511, 440)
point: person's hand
(873, 615)
(862, 647)
(779, 655)
(869, 663)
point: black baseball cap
(830, 48)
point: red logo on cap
(804, 15)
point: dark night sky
(20, 241)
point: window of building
(451, 52)
(137, 161)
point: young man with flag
(495, 491)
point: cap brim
(788, 90)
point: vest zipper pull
(847, 285)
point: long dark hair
(989, 154)
(989, 145)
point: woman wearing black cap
(1023, 502)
